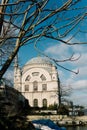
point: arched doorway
(35, 103)
(44, 102)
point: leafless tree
(63, 94)
(34, 20)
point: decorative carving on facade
(38, 82)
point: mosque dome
(39, 60)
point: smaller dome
(39, 60)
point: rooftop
(39, 60)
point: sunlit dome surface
(39, 60)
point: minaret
(17, 74)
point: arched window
(35, 103)
(43, 78)
(26, 87)
(44, 87)
(35, 73)
(44, 102)
(35, 85)
(28, 78)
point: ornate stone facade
(38, 82)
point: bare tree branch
(31, 20)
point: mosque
(38, 81)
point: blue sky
(78, 82)
(61, 51)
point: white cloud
(79, 98)
(83, 72)
(80, 48)
(81, 61)
(58, 51)
(80, 84)
(77, 82)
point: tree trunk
(10, 59)
(2, 10)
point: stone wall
(62, 120)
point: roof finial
(16, 61)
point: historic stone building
(38, 82)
